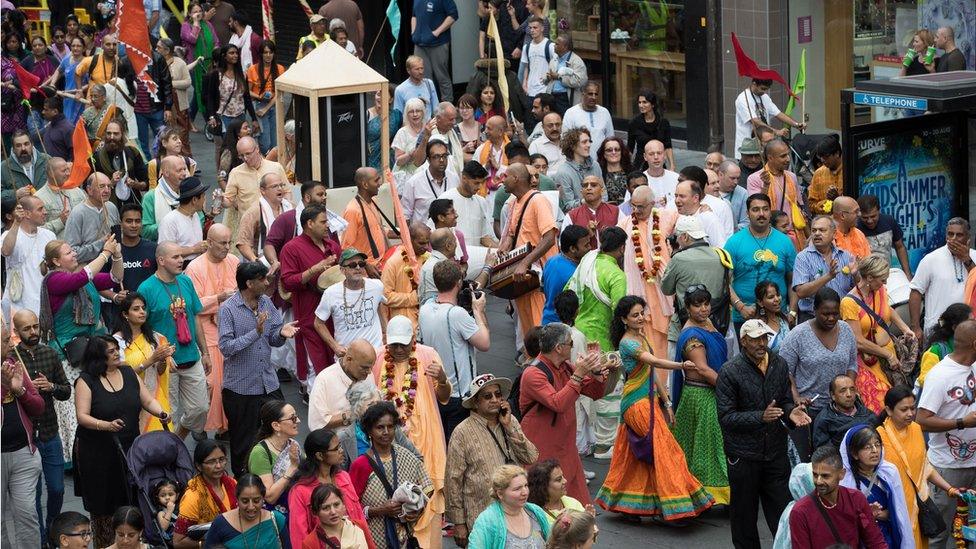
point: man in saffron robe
(593, 213)
(214, 276)
(400, 277)
(403, 357)
(303, 259)
(365, 231)
(531, 222)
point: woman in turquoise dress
(70, 306)
(375, 125)
(250, 524)
(66, 70)
(696, 425)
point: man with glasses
(214, 279)
(249, 326)
(253, 231)
(488, 438)
(244, 182)
(848, 237)
(425, 186)
(550, 423)
(353, 305)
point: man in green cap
(750, 160)
(353, 305)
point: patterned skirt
(698, 433)
(872, 383)
(666, 488)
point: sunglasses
(355, 265)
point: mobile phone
(503, 411)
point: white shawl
(586, 277)
(165, 200)
(243, 43)
(267, 218)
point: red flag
(26, 79)
(132, 27)
(750, 69)
(80, 168)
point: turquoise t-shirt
(758, 259)
(159, 297)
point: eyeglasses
(438, 157)
(215, 461)
(355, 265)
(336, 449)
(611, 150)
(873, 446)
(293, 419)
(87, 534)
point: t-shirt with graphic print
(950, 393)
(883, 236)
(354, 313)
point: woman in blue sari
(249, 524)
(696, 425)
(375, 125)
(867, 471)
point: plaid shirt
(247, 354)
(43, 360)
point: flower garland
(406, 397)
(649, 276)
(408, 269)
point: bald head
(495, 128)
(27, 327)
(359, 359)
(442, 239)
(218, 240)
(964, 338)
(24, 317)
(174, 170)
(166, 248)
(845, 212)
(518, 171)
(654, 156)
(58, 170)
(248, 151)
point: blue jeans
(269, 135)
(149, 124)
(52, 466)
(226, 121)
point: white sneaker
(590, 475)
(605, 455)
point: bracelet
(959, 424)
(951, 490)
(576, 378)
(737, 302)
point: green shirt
(159, 296)
(260, 461)
(594, 317)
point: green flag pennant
(393, 14)
(800, 83)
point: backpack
(721, 315)
(516, 392)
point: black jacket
(159, 72)
(742, 393)
(831, 425)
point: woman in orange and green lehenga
(861, 308)
(660, 487)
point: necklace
(650, 275)
(824, 503)
(408, 269)
(345, 305)
(240, 520)
(406, 397)
(109, 381)
(958, 268)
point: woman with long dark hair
(260, 78)
(941, 339)
(905, 448)
(614, 161)
(227, 95)
(108, 401)
(696, 413)
(867, 471)
(249, 524)
(769, 310)
(41, 63)
(634, 486)
(276, 454)
(490, 103)
(649, 124)
(322, 466)
(547, 489)
(200, 40)
(147, 352)
(72, 82)
(128, 525)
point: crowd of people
(723, 334)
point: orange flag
(80, 168)
(130, 25)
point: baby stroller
(155, 456)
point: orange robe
(659, 308)
(355, 235)
(854, 242)
(969, 294)
(209, 279)
(426, 432)
(401, 295)
(538, 222)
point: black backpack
(513, 396)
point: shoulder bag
(905, 348)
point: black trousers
(750, 483)
(243, 417)
(561, 103)
(452, 414)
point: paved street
(710, 530)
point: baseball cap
(755, 328)
(690, 226)
(350, 253)
(399, 330)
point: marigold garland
(649, 276)
(406, 398)
(408, 269)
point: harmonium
(502, 281)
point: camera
(466, 296)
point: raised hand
(772, 412)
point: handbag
(906, 348)
(643, 446)
(15, 285)
(930, 521)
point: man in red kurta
(848, 510)
(594, 213)
(303, 259)
(549, 409)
